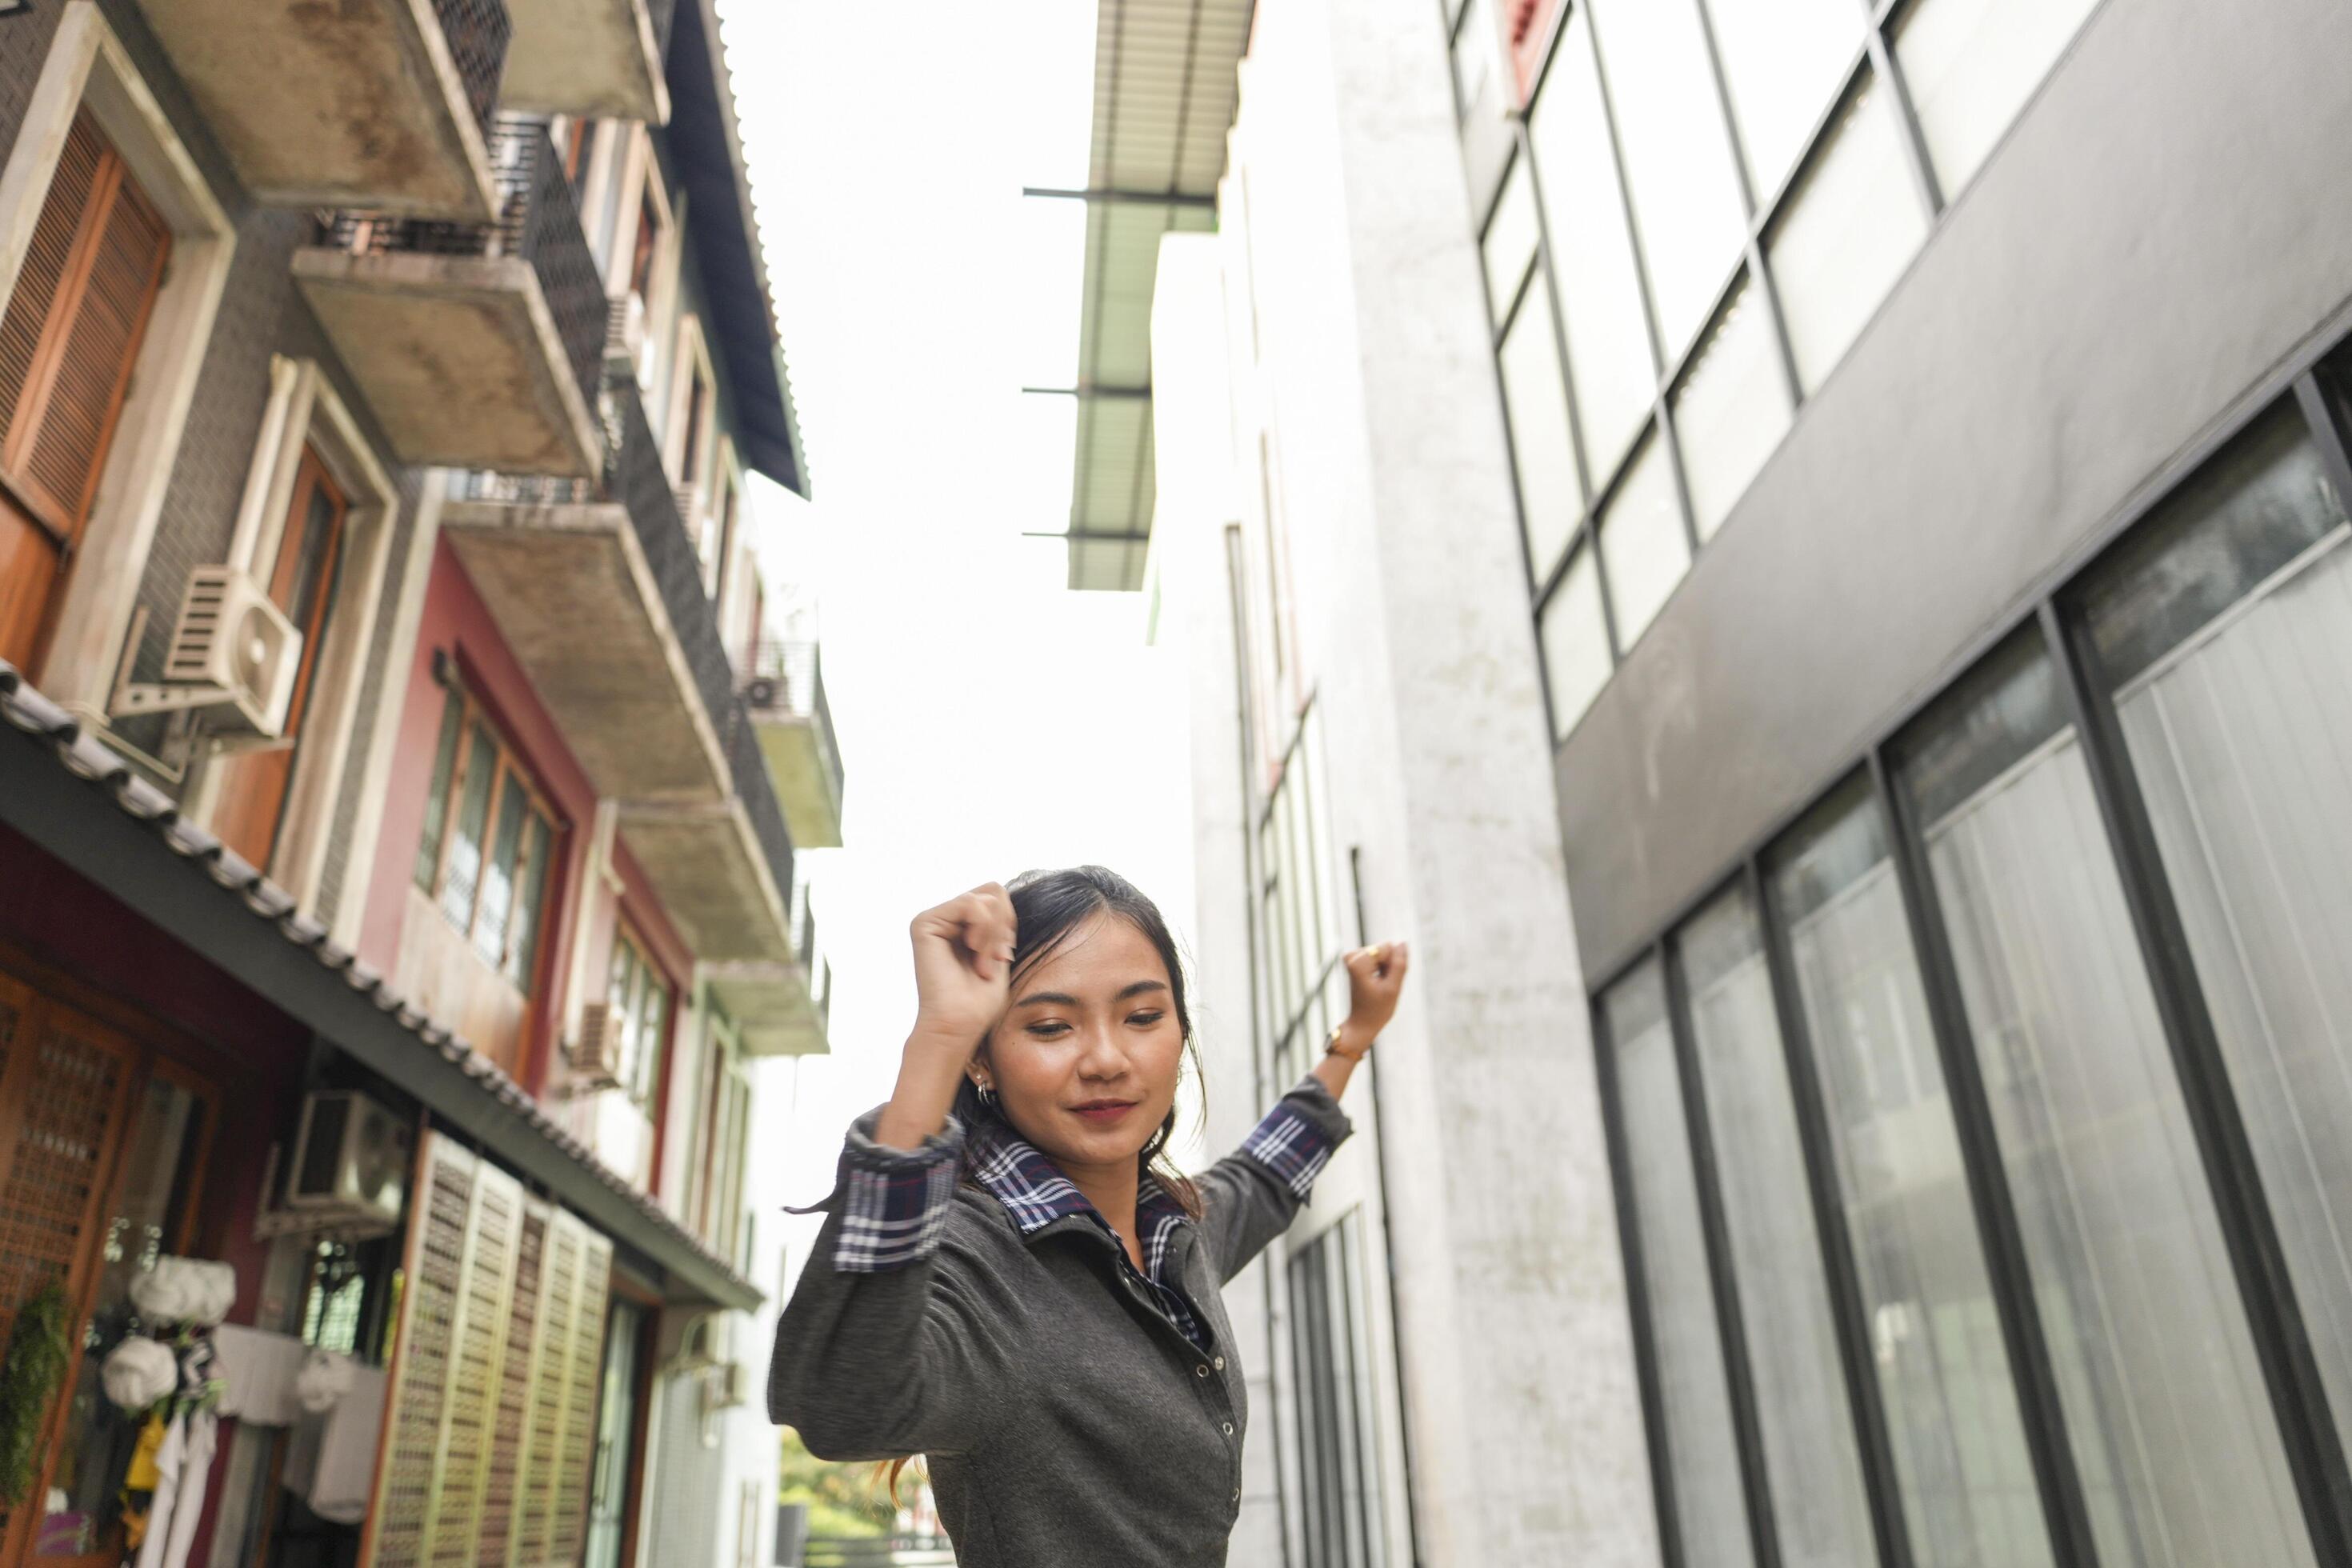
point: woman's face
(1084, 1060)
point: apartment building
(1797, 551)
(402, 770)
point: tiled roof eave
(493, 1106)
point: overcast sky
(989, 720)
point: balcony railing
(783, 683)
(633, 479)
(477, 33)
(539, 222)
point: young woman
(1010, 1281)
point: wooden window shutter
(434, 1269)
(72, 328)
(493, 1401)
(576, 1283)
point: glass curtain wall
(2157, 760)
(1685, 1341)
(2181, 1463)
(1944, 1378)
(2222, 634)
(1730, 189)
(1811, 1462)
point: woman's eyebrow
(1062, 999)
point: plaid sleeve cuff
(1295, 1139)
(893, 1202)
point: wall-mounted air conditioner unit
(595, 1051)
(233, 652)
(351, 1160)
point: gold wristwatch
(1331, 1045)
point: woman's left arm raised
(1251, 1196)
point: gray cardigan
(1067, 1421)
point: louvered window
(494, 1376)
(67, 338)
(73, 325)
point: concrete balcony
(597, 59)
(382, 104)
(596, 589)
(783, 687)
(477, 345)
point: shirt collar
(1036, 1193)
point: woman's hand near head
(963, 972)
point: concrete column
(1413, 635)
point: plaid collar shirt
(898, 1202)
(1036, 1193)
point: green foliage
(29, 1376)
(844, 1500)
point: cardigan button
(1220, 1363)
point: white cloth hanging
(347, 1446)
(183, 1465)
(260, 1369)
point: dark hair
(1050, 907)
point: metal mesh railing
(757, 793)
(635, 479)
(785, 676)
(538, 221)
(477, 33)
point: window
(1575, 643)
(1298, 895)
(1338, 1473)
(1853, 222)
(304, 582)
(1811, 1462)
(1684, 188)
(67, 339)
(1951, 1412)
(1783, 62)
(1731, 409)
(1608, 358)
(1550, 497)
(1474, 57)
(609, 1488)
(2222, 632)
(1642, 546)
(1971, 66)
(2129, 1265)
(640, 1001)
(487, 872)
(1509, 247)
(1685, 1342)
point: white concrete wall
(1365, 365)
(1196, 500)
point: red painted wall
(455, 620)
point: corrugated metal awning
(1165, 91)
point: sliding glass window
(1685, 1341)
(1951, 1410)
(1811, 1461)
(2165, 1406)
(2223, 633)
